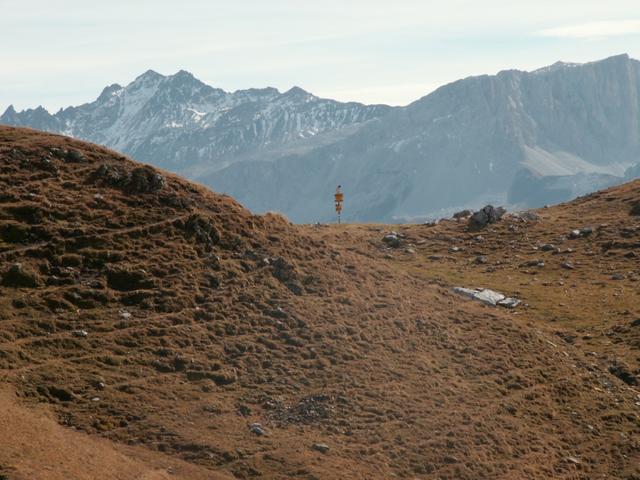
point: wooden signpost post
(339, 198)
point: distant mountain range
(517, 138)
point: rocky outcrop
(485, 216)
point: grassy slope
(332, 339)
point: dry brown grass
(319, 334)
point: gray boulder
(485, 216)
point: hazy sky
(63, 52)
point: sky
(58, 53)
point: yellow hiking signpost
(339, 198)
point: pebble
(321, 447)
(257, 429)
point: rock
(617, 276)
(74, 156)
(547, 247)
(485, 216)
(567, 266)
(465, 292)
(462, 214)
(144, 180)
(490, 297)
(533, 263)
(455, 249)
(80, 333)
(392, 240)
(109, 175)
(19, 276)
(320, 447)
(257, 429)
(635, 210)
(141, 180)
(583, 232)
(480, 260)
(509, 302)
(202, 229)
(529, 216)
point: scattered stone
(465, 292)
(533, 263)
(320, 447)
(455, 249)
(480, 260)
(573, 460)
(547, 247)
(485, 216)
(488, 297)
(74, 156)
(392, 240)
(144, 180)
(307, 411)
(80, 333)
(583, 232)
(19, 276)
(567, 266)
(617, 276)
(462, 214)
(509, 302)
(257, 429)
(529, 216)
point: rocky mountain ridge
(179, 123)
(517, 138)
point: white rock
(490, 297)
(465, 292)
(509, 302)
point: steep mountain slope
(517, 137)
(154, 313)
(180, 123)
